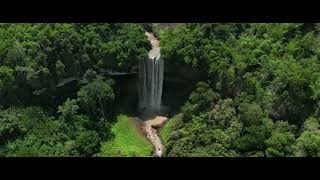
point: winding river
(150, 92)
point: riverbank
(151, 128)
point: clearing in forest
(128, 141)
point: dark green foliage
(33, 146)
(148, 27)
(258, 92)
(209, 134)
(87, 143)
(270, 71)
(96, 97)
(46, 56)
(250, 114)
(39, 64)
(200, 100)
(31, 132)
(6, 77)
(39, 134)
(252, 138)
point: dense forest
(55, 97)
(260, 96)
(230, 90)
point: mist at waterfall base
(150, 87)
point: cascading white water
(150, 93)
(150, 84)
(151, 79)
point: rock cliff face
(127, 94)
(179, 81)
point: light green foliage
(128, 140)
(60, 68)
(311, 124)
(284, 126)
(6, 77)
(169, 127)
(11, 127)
(280, 144)
(32, 146)
(69, 109)
(308, 144)
(96, 96)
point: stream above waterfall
(150, 93)
(151, 79)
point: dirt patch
(150, 127)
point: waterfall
(150, 85)
(151, 79)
